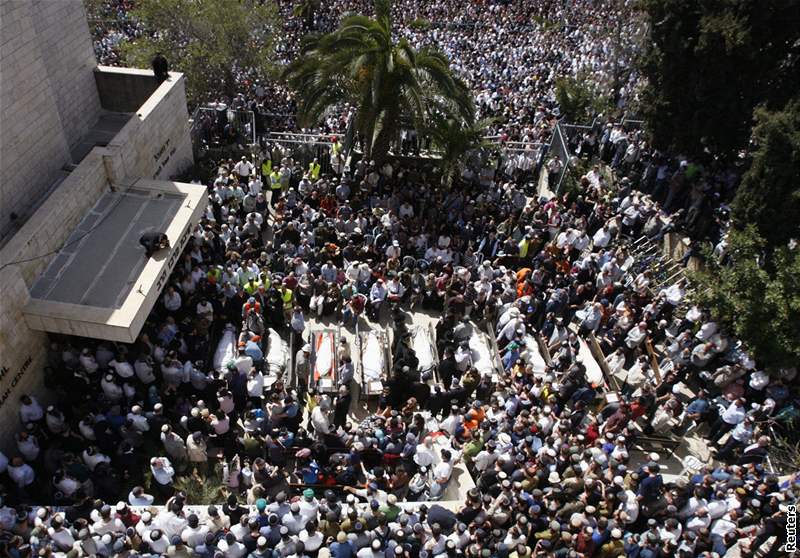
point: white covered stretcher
(424, 347)
(324, 365)
(594, 374)
(533, 356)
(484, 353)
(226, 348)
(277, 357)
(374, 361)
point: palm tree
(307, 9)
(386, 81)
(455, 141)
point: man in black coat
(160, 67)
(447, 367)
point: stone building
(87, 158)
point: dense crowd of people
(509, 52)
(160, 447)
(551, 455)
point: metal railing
(305, 148)
(221, 125)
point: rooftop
(102, 258)
(101, 284)
(99, 134)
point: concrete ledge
(127, 89)
(123, 89)
(123, 322)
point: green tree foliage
(455, 140)
(757, 293)
(758, 300)
(207, 40)
(769, 195)
(710, 63)
(387, 81)
(307, 10)
(578, 101)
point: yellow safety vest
(250, 289)
(523, 247)
(275, 180)
(314, 170)
(286, 295)
(266, 167)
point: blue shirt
(698, 406)
(342, 550)
(254, 351)
(510, 359)
(650, 488)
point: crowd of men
(552, 458)
(131, 432)
(509, 52)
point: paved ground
(100, 134)
(462, 481)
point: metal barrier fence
(220, 125)
(564, 134)
(305, 148)
(560, 151)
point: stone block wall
(155, 143)
(48, 98)
(22, 350)
(48, 101)
(124, 89)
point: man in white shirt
(293, 520)
(486, 458)
(393, 250)
(255, 186)
(28, 445)
(138, 420)
(107, 523)
(92, 458)
(194, 533)
(243, 362)
(172, 300)
(320, 417)
(630, 505)
(61, 536)
(162, 471)
(636, 335)
(156, 540)
(255, 384)
(144, 369)
(232, 548)
(122, 367)
(602, 237)
(377, 294)
(21, 473)
(675, 293)
(425, 456)
(244, 169)
(728, 419)
(138, 497)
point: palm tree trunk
(380, 147)
(382, 143)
